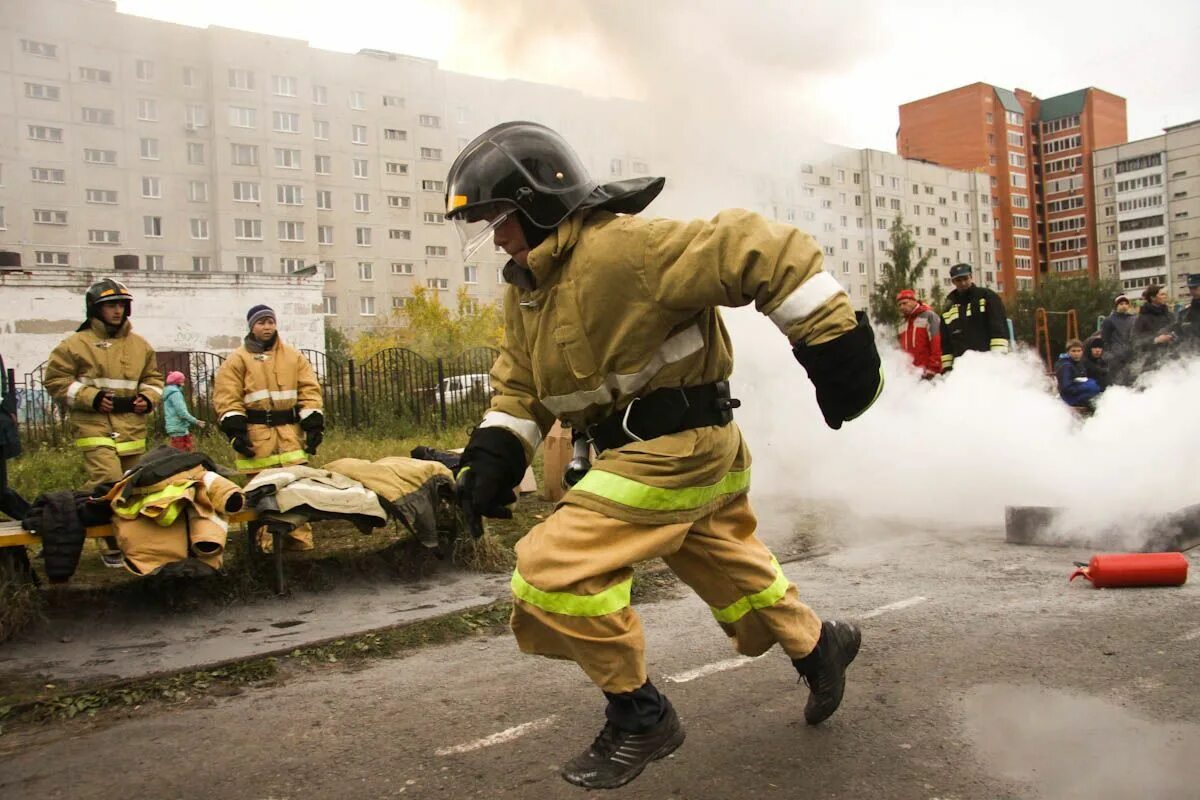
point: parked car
(460, 388)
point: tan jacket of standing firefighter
(89, 362)
(279, 379)
(623, 305)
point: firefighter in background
(973, 319)
(268, 401)
(108, 379)
(611, 325)
(920, 334)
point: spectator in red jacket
(920, 334)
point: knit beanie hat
(175, 378)
(257, 313)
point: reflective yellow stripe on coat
(610, 601)
(129, 509)
(266, 462)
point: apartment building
(223, 151)
(1147, 200)
(847, 199)
(1037, 157)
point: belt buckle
(268, 420)
(625, 421)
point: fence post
(441, 390)
(353, 393)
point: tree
(1090, 300)
(337, 346)
(898, 273)
(432, 330)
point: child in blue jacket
(1074, 385)
(179, 421)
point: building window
(323, 165)
(362, 202)
(1131, 164)
(195, 116)
(1019, 180)
(1014, 118)
(324, 199)
(362, 237)
(1020, 201)
(94, 75)
(45, 133)
(392, 101)
(144, 70)
(250, 265)
(244, 155)
(1021, 242)
(402, 268)
(149, 149)
(102, 196)
(324, 234)
(285, 122)
(42, 91)
(360, 168)
(358, 134)
(96, 236)
(98, 116)
(396, 168)
(242, 79)
(147, 110)
(190, 77)
(45, 216)
(435, 251)
(438, 284)
(320, 95)
(431, 153)
(289, 265)
(201, 264)
(435, 218)
(1060, 144)
(152, 227)
(105, 157)
(329, 305)
(291, 231)
(433, 186)
(247, 229)
(40, 49)
(358, 101)
(289, 194)
(400, 233)
(241, 117)
(151, 187)
(198, 191)
(366, 306)
(327, 270)
(366, 271)
(245, 191)
(48, 175)
(470, 274)
(155, 264)
(399, 201)
(429, 121)
(47, 258)
(199, 228)
(283, 85)
(395, 135)
(287, 158)
(321, 129)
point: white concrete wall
(172, 310)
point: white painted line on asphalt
(896, 606)
(1189, 636)
(710, 669)
(508, 735)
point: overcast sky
(834, 70)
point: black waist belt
(123, 405)
(256, 416)
(665, 411)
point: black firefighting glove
(314, 431)
(492, 464)
(845, 371)
(99, 398)
(234, 428)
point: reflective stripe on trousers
(104, 441)
(266, 462)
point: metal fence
(393, 387)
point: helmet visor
(476, 229)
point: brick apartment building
(1037, 154)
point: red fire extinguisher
(1113, 570)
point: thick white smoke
(956, 451)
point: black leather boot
(824, 669)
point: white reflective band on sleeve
(264, 394)
(527, 429)
(73, 391)
(228, 414)
(209, 478)
(807, 298)
(145, 387)
(113, 383)
(308, 412)
(616, 385)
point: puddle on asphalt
(287, 623)
(1065, 745)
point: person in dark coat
(1154, 340)
(1095, 362)
(1117, 334)
(973, 319)
(1188, 327)
(1074, 386)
